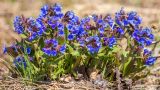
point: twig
(118, 79)
(155, 44)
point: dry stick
(155, 44)
(118, 79)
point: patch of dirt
(19, 84)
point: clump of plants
(56, 43)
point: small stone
(68, 79)
(61, 79)
(93, 73)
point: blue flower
(143, 36)
(93, 44)
(82, 43)
(101, 30)
(41, 26)
(59, 15)
(50, 47)
(28, 50)
(57, 8)
(62, 49)
(47, 51)
(70, 37)
(60, 27)
(70, 14)
(150, 61)
(85, 20)
(32, 25)
(4, 49)
(53, 22)
(44, 11)
(53, 53)
(60, 33)
(120, 31)
(18, 25)
(110, 21)
(112, 41)
(74, 20)
(100, 22)
(120, 18)
(19, 61)
(134, 19)
(33, 36)
(94, 17)
(147, 52)
(69, 27)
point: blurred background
(148, 9)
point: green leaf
(72, 51)
(41, 43)
(101, 49)
(126, 66)
(101, 54)
(66, 33)
(116, 49)
(70, 48)
(23, 35)
(125, 53)
(75, 53)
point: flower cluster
(143, 36)
(92, 32)
(56, 29)
(57, 43)
(51, 47)
(149, 59)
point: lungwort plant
(56, 43)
